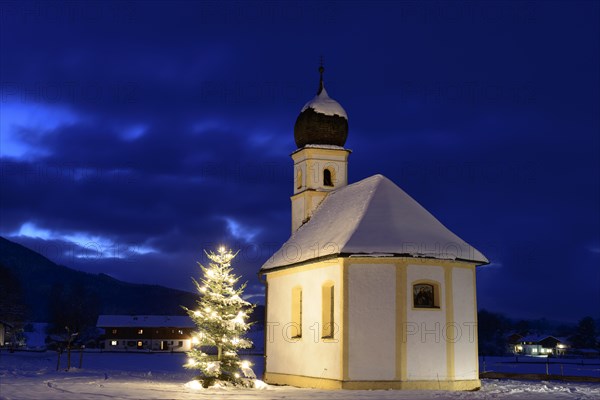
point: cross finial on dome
(321, 70)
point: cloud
(82, 244)
(23, 124)
(240, 232)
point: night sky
(135, 135)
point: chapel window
(297, 312)
(327, 320)
(426, 295)
(327, 180)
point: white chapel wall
(465, 346)
(309, 356)
(425, 343)
(372, 322)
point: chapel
(370, 291)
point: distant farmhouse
(538, 345)
(146, 332)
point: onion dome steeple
(322, 120)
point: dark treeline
(494, 330)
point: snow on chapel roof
(372, 217)
(324, 104)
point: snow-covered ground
(537, 365)
(31, 375)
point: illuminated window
(114, 343)
(140, 331)
(426, 295)
(297, 312)
(114, 331)
(180, 332)
(140, 344)
(327, 181)
(327, 310)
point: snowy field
(28, 375)
(537, 365)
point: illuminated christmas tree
(221, 323)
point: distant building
(514, 338)
(146, 332)
(541, 345)
(513, 341)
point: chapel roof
(372, 218)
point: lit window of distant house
(114, 343)
(140, 331)
(114, 331)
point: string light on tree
(221, 323)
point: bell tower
(321, 161)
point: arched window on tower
(327, 181)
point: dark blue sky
(134, 135)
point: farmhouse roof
(145, 321)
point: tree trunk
(59, 352)
(81, 357)
(69, 357)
